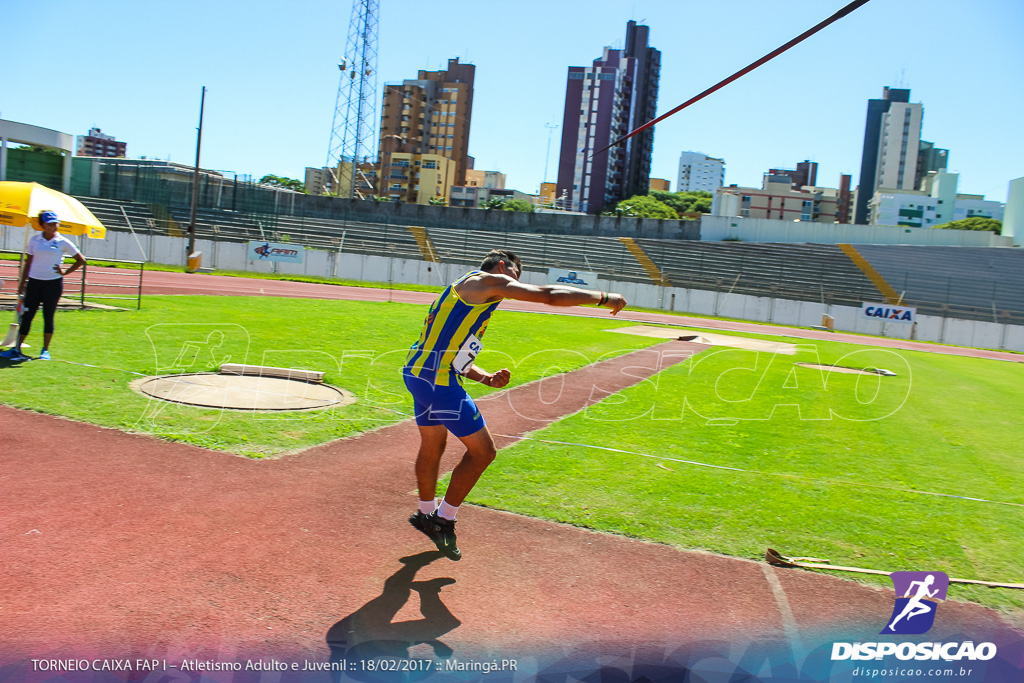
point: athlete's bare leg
(480, 452)
(428, 460)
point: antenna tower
(355, 111)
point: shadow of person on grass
(371, 632)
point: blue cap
(48, 217)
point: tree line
(662, 204)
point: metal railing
(123, 281)
(91, 282)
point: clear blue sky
(135, 70)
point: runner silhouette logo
(917, 598)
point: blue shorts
(449, 406)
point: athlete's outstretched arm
(493, 287)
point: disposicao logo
(917, 596)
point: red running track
(119, 545)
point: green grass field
(359, 345)
(829, 461)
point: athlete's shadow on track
(370, 632)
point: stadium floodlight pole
(195, 184)
(547, 155)
(352, 128)
(745, 70)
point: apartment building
(431, 115)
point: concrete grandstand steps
(232, 226)
(316, 233)
(216, 224)
(645, 262)
(351, 236)
(606, 256)
(427, 249)
(969, 282)
(809, 272)
(109, 211)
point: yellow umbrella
(21, 204)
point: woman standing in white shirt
(42, 281)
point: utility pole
(547, 156)
(195, 184)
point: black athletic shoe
(14, 354)
(439, 530)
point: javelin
(745, 70)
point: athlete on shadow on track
(434, 371)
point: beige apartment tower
(429, 116)
(417, 178)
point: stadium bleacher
(604, 255)
(316, 233)
(802, 272)
(962, 282)
(112, 213)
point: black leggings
(45, 292)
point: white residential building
(1013, 216)
(936, 203)
(910, 208)
(700, 173)
(976, 206)
(899, 145)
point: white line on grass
(769, 474)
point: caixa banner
(889, 313)
(576, 278)
(270, 251)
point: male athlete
(433, 373)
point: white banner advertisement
(576, 278)
(889, 313)
(270, 251)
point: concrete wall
(233, 256)
(718, 228)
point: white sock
(428, 506)
(447, 511)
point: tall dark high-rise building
(894, 156)
(644, 109)
(603, 102)
(869, 157)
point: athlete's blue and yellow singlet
(448, 325)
